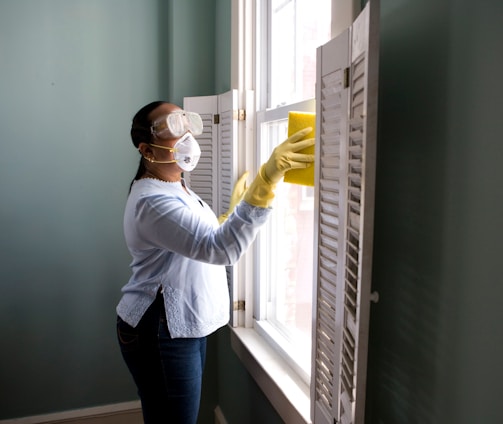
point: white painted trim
(242, 47)
(219, 416)
(116, 409)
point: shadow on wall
(404, 333)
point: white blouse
(178, 246)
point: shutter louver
(227, 169)
(226, 177)
(345, 192)
(201, 179)
(352, 248)
(332, 100)
(227, 157)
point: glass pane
(289, 246)
(297, 29)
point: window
(284, 284)
(337, 260)
(346, 104)
(296, 30)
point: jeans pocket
(128, 336)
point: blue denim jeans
(167, 372)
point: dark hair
(140, 132)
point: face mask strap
(187, 136)
(159, 161)
(161, 147)
(172, 149)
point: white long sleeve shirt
(178, 246)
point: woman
(177, 294)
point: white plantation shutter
(215, 175)
(228, 175)
(346, 100)
(329, 234)
(204, 178)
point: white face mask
(186, 152)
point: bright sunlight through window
(296, 28)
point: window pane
(289, 249)
(297, 29)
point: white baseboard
(219, 416)
(118, 413)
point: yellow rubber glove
(284, 157)
(237, 195)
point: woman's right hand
(285, 156)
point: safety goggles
(176, 124)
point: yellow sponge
(296, 122)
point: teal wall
(72, 74)
(239, 397)
(223, 46)
(197, 46)
(436, 333)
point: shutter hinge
(346, 78)
(239, 305)
(216, 119)
(239, 115)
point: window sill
(286, 391)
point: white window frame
(292, 356)
(285, 388)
